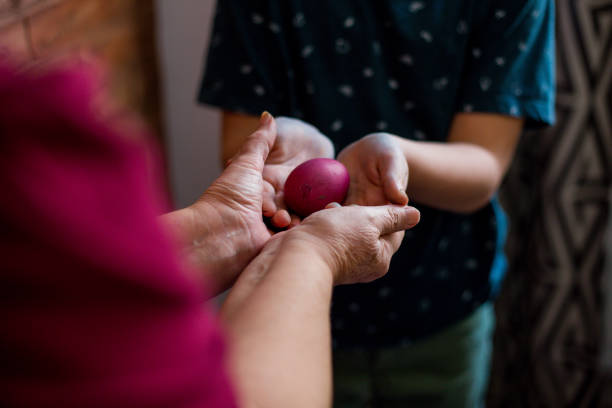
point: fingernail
(417, 213)
(265, 118)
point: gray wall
(192, 131)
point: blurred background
(553, 345)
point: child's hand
(297, 142)
(378, 170)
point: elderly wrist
(316, 251)
(218, 240)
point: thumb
(394, 176)
(391, 218)
(257, 146)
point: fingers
(332, 205)
(389, 218)
(281, 219)
(394, 176)
(276, 175)
(268, 204)
(255, 150)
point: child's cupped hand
(297, 142)
(378, 171)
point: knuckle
(394, 217)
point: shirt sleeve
(96, 308)
(245, 70)
(510, 68)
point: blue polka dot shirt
(403, 67)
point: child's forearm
(458, 177)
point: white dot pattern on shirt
(246, 69)
(376, 48)
(416, 6)
(462, 27)
(354, 307)
(471, 264)
(440, 83)
(407, 59)
(307, 51)
(336, 125)
(426, 36)
(485, 83)
(299, 21)
(517, 91)
(381, 125)
(346, 90)
(274, 27)
(342, 46)
(259, 90)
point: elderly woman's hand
(356, 242)
(340, 245)
(224, 229)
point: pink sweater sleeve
(95, 308)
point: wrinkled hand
(224, 230)
(378, 170)
(356, 242)
(297, 142)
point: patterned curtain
(549, 339)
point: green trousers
(449, 369)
